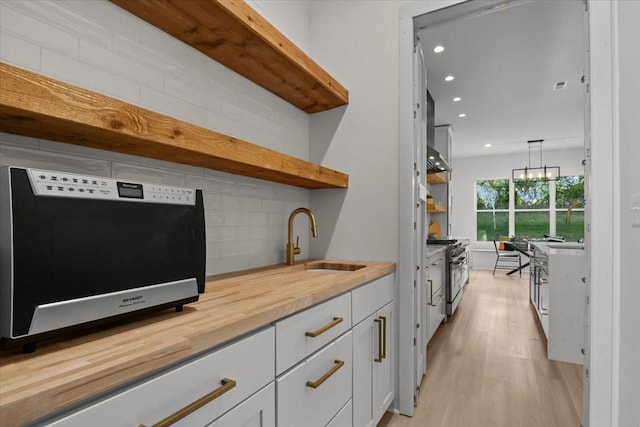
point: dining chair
(507, 259)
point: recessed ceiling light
(457, 99)
(431, 157)
(449, 78)
(438, 49)
(462, 115)
(487, 145)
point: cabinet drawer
(293, 342)
(249, 362)
(344, 417)
(257, 411)
(370, 297)
(300, 405)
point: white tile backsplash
(144, 174)
(41, 33)
(11, 155)
(77, 73)
(68, 21)
(160, 102)
(14, 50)
(98, 46)
(105, 59)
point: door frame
(603, 190)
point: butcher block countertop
(67, 371)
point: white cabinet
(344, 417)
(559, 296)
(314, 391)
(327, 374)
(307, 331)
(227, 376)
(567, 299)
(436, 301)
(257, 411)
(373, 358)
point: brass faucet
(572, 206)
(292, 250)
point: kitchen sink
(329, 267)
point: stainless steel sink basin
(328, 267)
(565, 246)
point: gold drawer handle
(227, 385)
(315, 384)
(379, 323)
(441, 297)
(325, 328)
(384, 337)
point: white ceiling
(505, 64)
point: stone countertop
(560, 248)
(67, 371)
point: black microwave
(79, 250)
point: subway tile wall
(96, 45)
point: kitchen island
(66, 372)
(558, 295)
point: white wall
(97, 45)
(358, 42)
(628, 16)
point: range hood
(435, 162)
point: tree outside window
(535, 211)
(570, 193)
(492, 206)
(531, 208)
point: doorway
(440, 14)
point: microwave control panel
(63, 184)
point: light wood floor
(487, 365)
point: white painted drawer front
(298, 404)
(249, 362)
(257, 411)
(292, 345)
(344, 417)
(370, 297)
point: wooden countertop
(67, 371)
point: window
(530, 208)
(570, 194)
(492, 206)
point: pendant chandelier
(540, 173)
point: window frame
(552, 209)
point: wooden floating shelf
(37, 106)
(437, 178)
(436, 209)
(235, 35)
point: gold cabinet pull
(379, 323)
(227, 385)
(430, 291)
(315, 384)
(325, 328)
(441, 297)
(384, 337)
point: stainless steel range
(457, 269)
